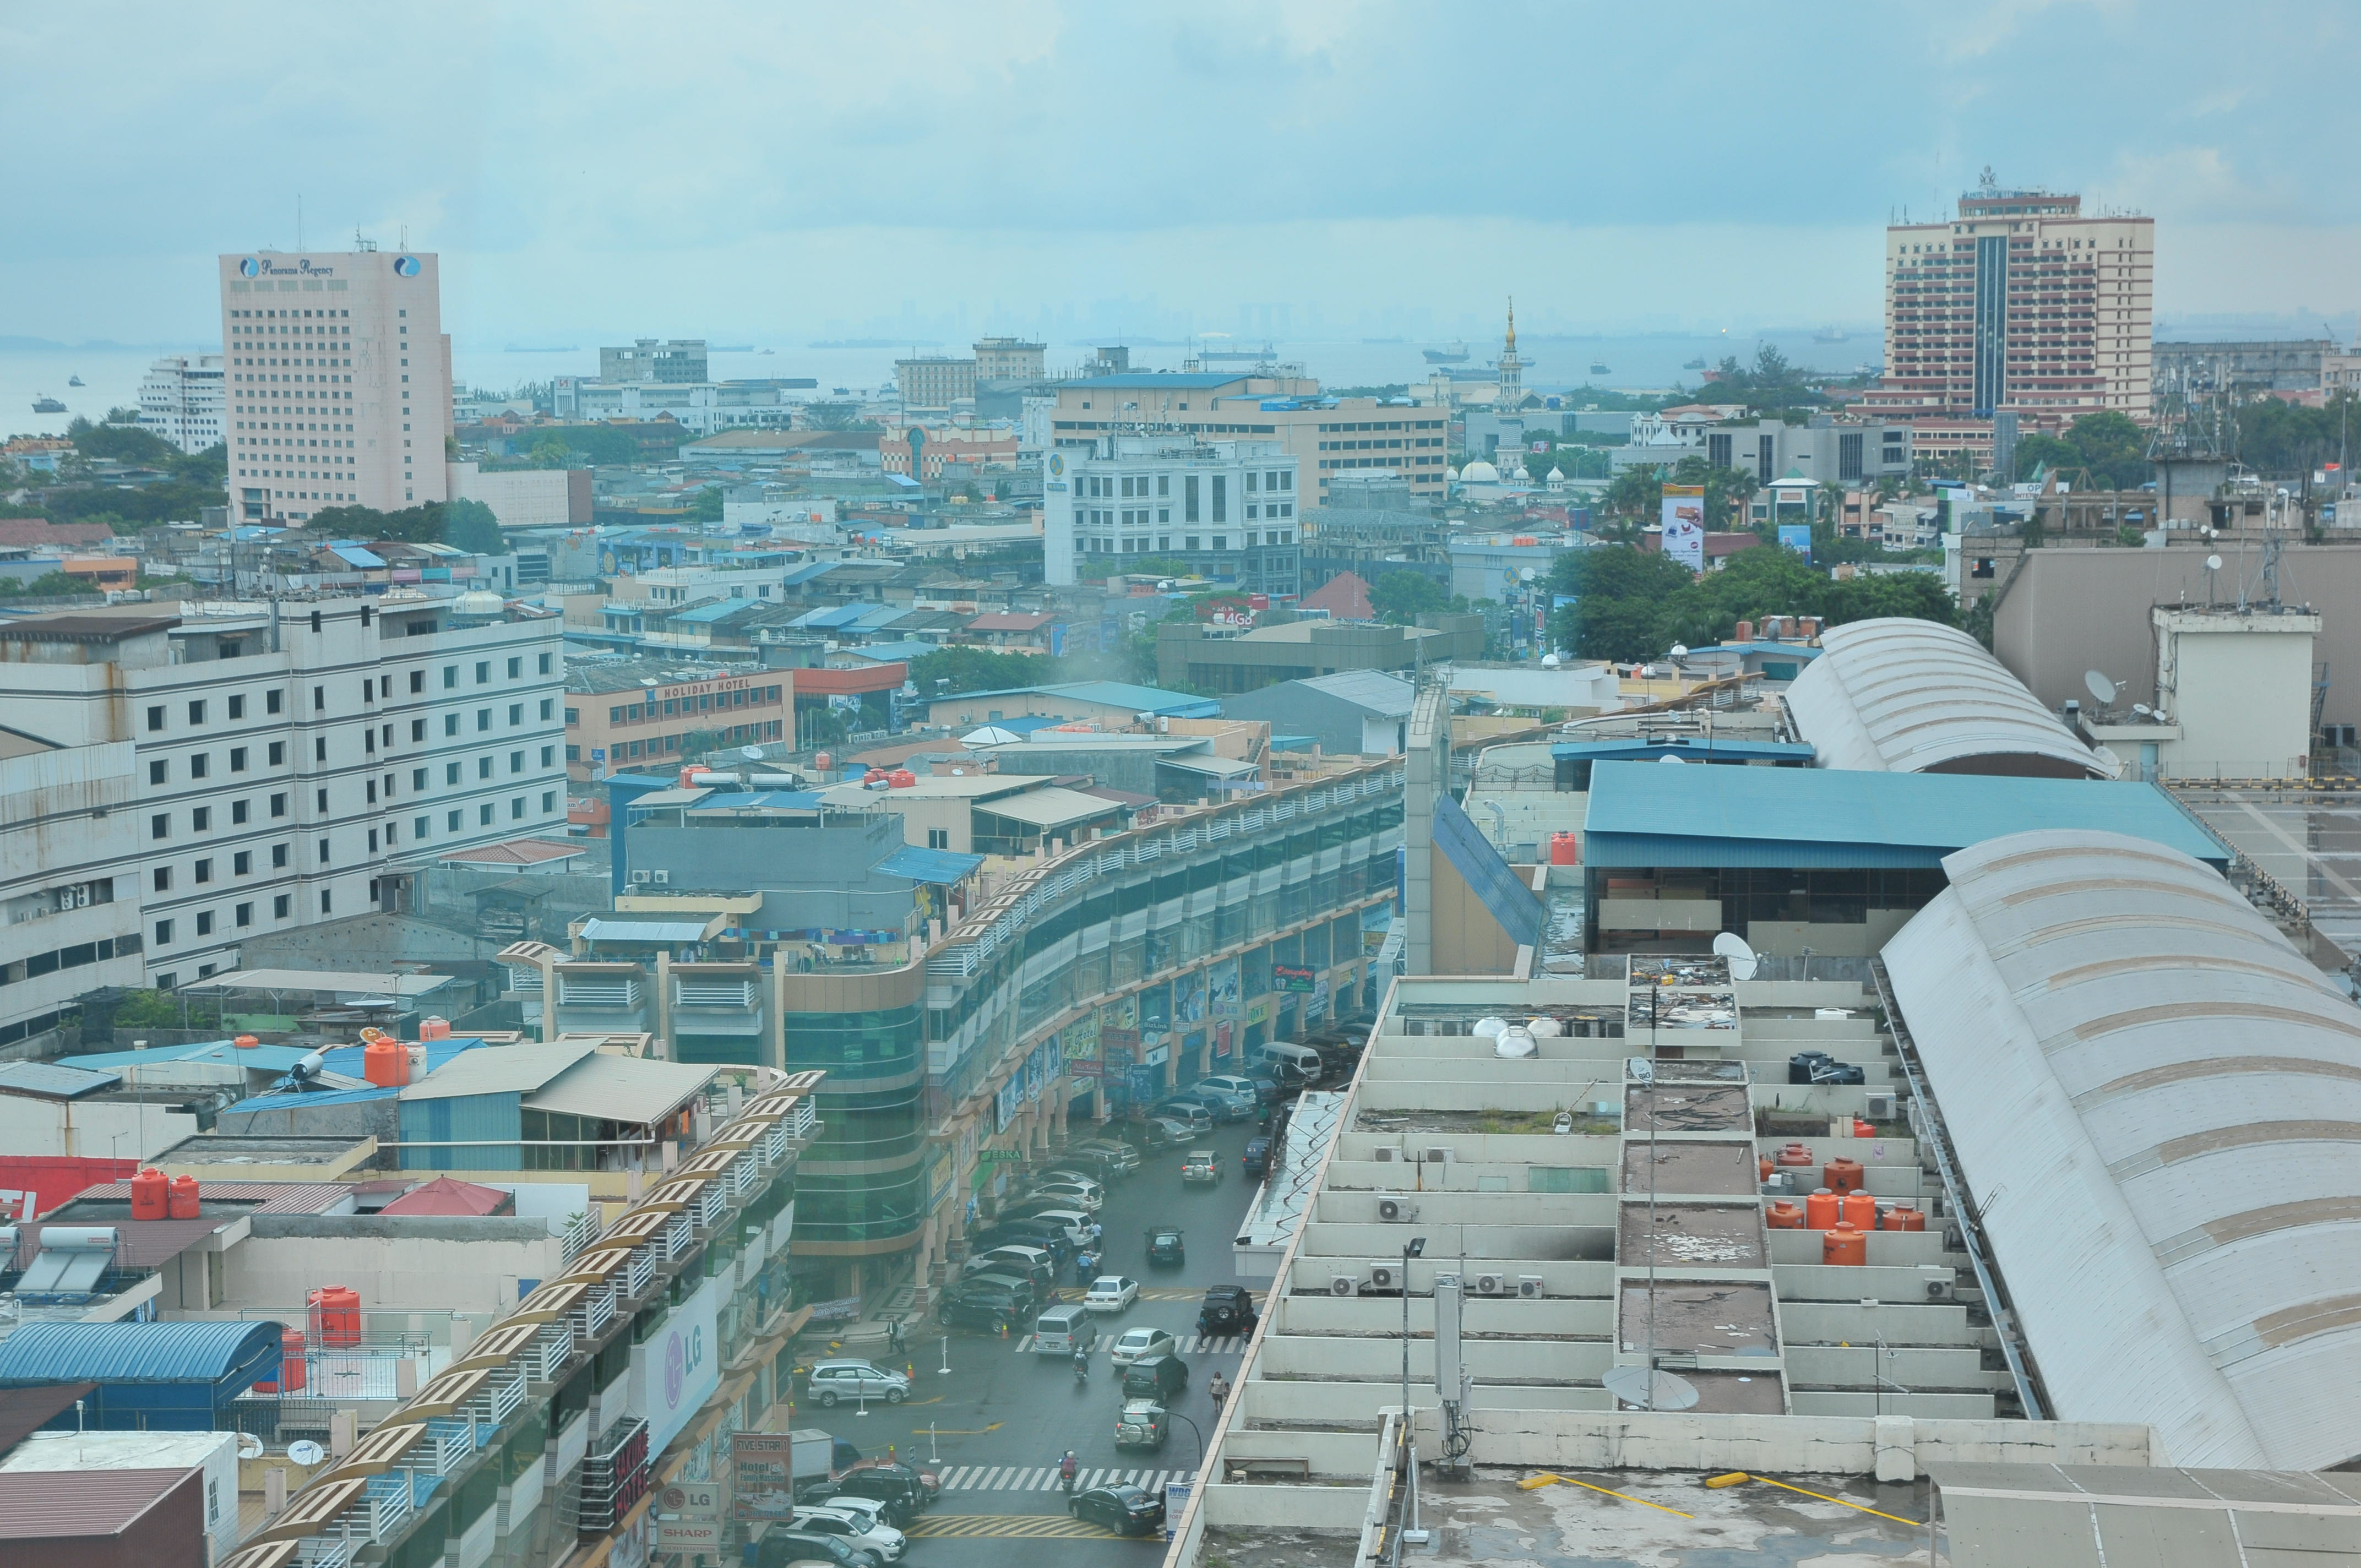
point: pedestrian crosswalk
(1182, 1345)
(1043, 1478)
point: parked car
(1157, 1378)
(1266, 1087)
(1124, 1509)
(1022, 1231)
(897, 1499)
(854, 1528)
(1203, 1168)
(782, 1547)
(968, 1303)
(1190, 1113)
(1141, 1342)
(1111, 1293)
(1226, 1310)
(1165, 1248)
(1014, 1285)
(1031, 1263)
(1122, 1157)
(1069, 1172)
(1072, 1194)
(1160, 1131)
(1255, 1161)
(850, 1379)
(869, 1509)
(1140, 1424)
(919, 1486)
(1072, 1224)
(1237, 1094)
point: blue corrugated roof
(138, 1353)
(761, 800)
(1115, 694)
(832, 615)
(1649, 814)
(353, 554)
(597, 930)
(257, 1058)
(929, 865)
(718, 608)
(292, 1100)
(890, 653)
(805, 574)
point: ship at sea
(1697, 364)
(1829, 334)
(45, 404)
(1598, 369)
(1454, 354)
(76, 381)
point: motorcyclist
(1068, 1468)
(1082, 1366)
(1086, 1266)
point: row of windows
(658, 745)
(1139, 544)
(1137, 517)
(75, 957)
(234, 705)
(240, 864)
(201, 817)
(199, 765)
(639, 711)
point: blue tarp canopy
(929, 865)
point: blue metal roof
(929, 865)
(257, 1059)
(805, 574)
(890, 653)
(720, 608)
(597, 930)
(1695, 748)
(291, 1101)
(761, 800)
(1649, 814)
(1115, 694)
(138, 1353)
(354, 554)
(832, 615)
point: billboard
(1684, 526)
(1797, 536)
(675, 1371)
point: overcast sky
(796, 169)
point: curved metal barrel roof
(138, 1353)
(1910, 696)
(2156, 1100)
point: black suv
(781, 1547)
(1046, 1234)
(1157, 1377)
(967, 1304)
(1228, 1310)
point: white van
(1063, 1330)
(1302, 1058)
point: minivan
(1237, 1093)
(1064, 1328)
(1302, 1058)
(1026, 1262)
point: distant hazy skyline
(1305, 169)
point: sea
(1656, 362)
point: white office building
(180, 400)
(293, 764)
(1226, 509)
(338, 381)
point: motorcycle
(1082, 1366)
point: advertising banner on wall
(1222, 989)
(673, 1373)
(1684, 525)
(764, 1489)
(1797, 536)
(1188, 999)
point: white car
(1072, 1224)
(1138, 1345)
(869, 1509)
(1111, 1293)
(1072, 1194)
(1082, 1178)
(853, 1380)
(853, 1530)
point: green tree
(51, 585)
(706, 506)
(2038, 453)
(978, 669)
(1616, 592)
(122, 442)
(471, 525)
(1403, 595)
(2113, 447)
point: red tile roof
(517, 852)
(445, 1195)
(1345, 597)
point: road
(1003, 1416)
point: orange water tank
(1784, 1216)
(1763, 1168)
(291, 1365)
(151, 1195)
(688, 774)
(1857, 1209)
(1845, 1245)
(246, 1042)
(900, 778)
(1842, 1175)
(1862, 1129)
(385, 1063)
(1566, 848)
(824, 762)
(1898, 1218)
(335, 1315)
(183, 1201)
(1794, 1155)
(1742, 632)
(434, 1027)
(1821, 1210)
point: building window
(418, 826)
(237, 759)
(200, 764)
(164, 933)
(242, 863)
(451, 821)
(327, 902)
(281, 906)
(544, 664)
(237, 707)
(1189, 499)
(483, 767)
(417, 681)
(278, 754)
(483, 671)
(483, 719)
(158, 771)
(155, 718)
(450, 676)
(245, 914)
(450, 724)
(273, 700)
(201, 819)
(516, 808)
(516, 714)
(548, 708)
(278, 857)
(204, 922)
(161, 879)
(1221, 499)
(205, 870)
(549, 756)
(197, 712)
(319, 747)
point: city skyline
(1409, 211)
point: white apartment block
(338, 382)
(294, 763)
(2021, 304)
(69, 852)
(1225, 508)
(180, 402)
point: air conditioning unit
(659, 878)
(1438, 1156)
(1529, 1286)
(1343, 1284)
(639, 876)
(1382, 1277)
(1881, 1105)
(1938, 1290)
(1385, 1154)
(1394, 1209)
(1487, 1285)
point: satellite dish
(1549, 661)
(1679, 650)
(248, 1446)
(1743, 961)
(1641, 1070)
(752, 753)
(2213, 563)
(1668, 756)
(2099, 687)
(2141, 709)
(1649, 1390)
(1528, 573)
(306, 1452)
